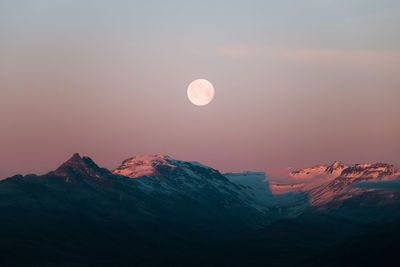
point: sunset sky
(297, 83)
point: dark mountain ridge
(155, 210)
(81, 213)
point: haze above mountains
(187, 213)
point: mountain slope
(257, 186)
(308, 178)
(155, 210)
(345, 185)
(255, 183)
(352, 221)
(81, 213)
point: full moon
(200, 92)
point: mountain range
(154, 210)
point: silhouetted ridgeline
(154, 210)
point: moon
(200, 92)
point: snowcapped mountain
(178, 210)
(335, 169)
(352, 207)
(144, 165)
(308, 178)
(308, 173)
(319, 171)
(347, 183)
(168, 177)
(318, 176)
(168, 205)
(313, 186)
(376, 171)
(158, 165)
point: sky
(297, 83)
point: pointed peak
(336, 164)
(83, 165)
(75, 157)
(74, 161)
(335, 168)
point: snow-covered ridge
(345, 185)
(308, 172)
(380, 171)
(149, 164)
(320, 175)
(333, 170)
(162, 175)
(143, 165)
(366, 170)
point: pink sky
(293, 87)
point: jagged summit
(336, 164)
(335, 168)
(75, 156)
(76, 161)
(336, 175)
(370, 171)
(344, 186)
(81, 165)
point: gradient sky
(297, 82)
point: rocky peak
(369, 171)
(80, 165)
(355, 174)
(335, 168)
(336, 164)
